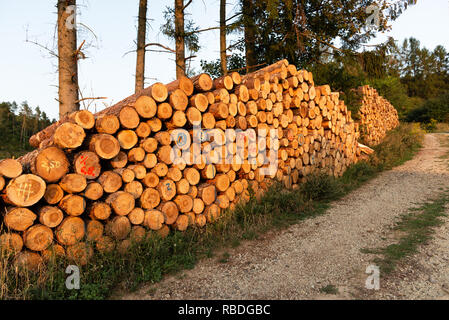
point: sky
(29, 73)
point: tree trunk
(141, 35)
(67, 58)
(223, 58)
(250, 51)
(179, 38)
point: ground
(323, 257)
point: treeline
(413, 78)
(17, 124)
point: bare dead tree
(67, 57)
(141, 36)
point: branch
(198, 31)
(188, 58)
(160, 45)
(257, 65)
(187, 4)
(235, 44)
(235, 15)
(95, 98)
(78, 51)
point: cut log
(84, 118)
(146, 107)
(170, 211)
(30, 261)
(182, 222)
(53, 252)
(137, 234)
(70, 231)
(119, 227)
(110, 181)
(87, 164)
(143, 130)
(198, 206)
(167, 189)
(126, 174)
(100, 211)
(225, 82)
(212, 213)
(184, 203)
(164, 111)
(136, 216)
(107, 123)
(127, 139)
(11, 243)
(129, 118)
(134, 188)
(93, 191)
(50, 216)
(136, 154)
(73, 205)
(53, 194)
(158, 92)
(38, 237)
(51, 164)
(192, 176)
(73, 183)
(121, 202)
(154, 219)
(25, 190)
(200, 220)
(179, 100)
(183, 83)
(139, 171)
(120, 160)
(80, 253)
(94, 230)
(221, 182)
(104, 145)
(19, 219)
(202, 82)
(69, 136)
(207, 193)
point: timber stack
(170, 157)
(377, 116)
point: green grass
(329, 289)
(416, 227)
(150, 260)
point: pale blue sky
(29, 73)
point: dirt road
(296, 263)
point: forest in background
(17, 124)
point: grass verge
(148, 261)
(416, 227)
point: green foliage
(394, 91)
(320, 186)
(329, 289)
(236, 62)
(397, 147)
(435, 108)
(17, 125)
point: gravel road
(297, 262)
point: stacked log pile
(99, 182)
(377, 116)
